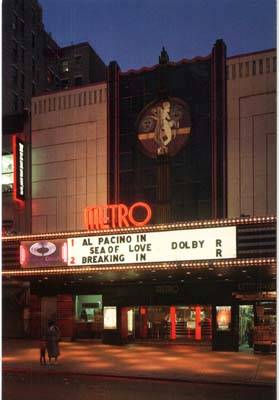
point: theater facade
(153, 207)
(204, 281)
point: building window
(85, 98)
(15, 23)
(7, 173)
(90, 97)
(54, 104)
(233, 71)
(240, 70)
(267, 61)
(49, 104)
(33, 67)
(59, 103)
(77, 59)
(79, 99)
(15, 51)
(95, 96)
(35, 107)
(22, 28)
(15, 102)
(64, 102)
(247, 69)
(44, 106)
(57, 82)
(22, 56)
(22, 81)
(70, 101)
(274, 64)
(254, 68)
(260, 66)
(78, 80)
(65, 66)
(15, 75)
(65, 83)
(33, 40)
(50, 77)
(100, 95)
(40, 106)
(33, 16)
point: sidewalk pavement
(188, 363)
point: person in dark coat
(52, 341)
(250, 334)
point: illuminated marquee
(116, 216)
(167, 246)
(19, 168)
(135, 248)
(43, 253)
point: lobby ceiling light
(58, 270)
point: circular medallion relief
(164, 127)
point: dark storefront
(207, 301)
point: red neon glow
(143, 310)
(65, 252)
(172, 323)
(143, 323)
(15, 161)
(22, 255)
(198, 323)
(115, 216)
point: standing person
(52, 341)
(83, 315)
(250, 334)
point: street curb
(135, 377)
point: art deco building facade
(183, 140)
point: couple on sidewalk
(50, 343)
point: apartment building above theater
(80, 65)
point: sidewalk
(168, 362)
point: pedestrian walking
(52, 341)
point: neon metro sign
(116, 216)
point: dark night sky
(133, 31)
